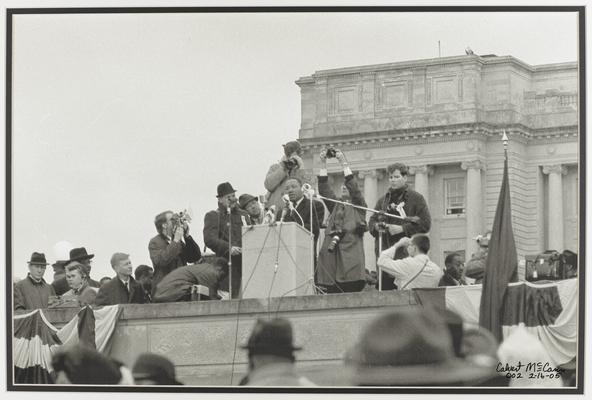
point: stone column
(555, 202)
(422, 173)
(474, 204)
(371, 196)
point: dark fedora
(79, 254)
(245, 199)
(155, 367)
(411, 347)
(224, 189)
(272, 337)
(38, 259)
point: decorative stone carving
(551, 150)
(554, 169)
(418, 150)
(473, 164)
(367, 155)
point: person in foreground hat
(453, 272)
(80, 254)
(414, 271)
(216, 235)
(411, 347)
(80, 292)
(172, 247)
(80, 365)
(290, 165)
(122, 289)
(271, 355)
(250, 204)
(33, 292)
(154, 369)
(177, 285)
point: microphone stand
(312, 243)
(229, 224)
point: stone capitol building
(444, 117)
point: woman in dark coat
(341, 259)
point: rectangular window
(454, 195)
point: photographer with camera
(290, 166)
(402, 201)
(173, 246)
(341, 259)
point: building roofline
(482, 60)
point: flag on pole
(502, 260)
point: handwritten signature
(531, 370)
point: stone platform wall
(203, 338)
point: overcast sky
(117, 117)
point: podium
(286, 243)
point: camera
(335, 239)
(331, 152)
(180, 218)
(290, 163)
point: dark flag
(502, 261)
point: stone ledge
(369, 299)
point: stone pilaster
(555, 202)
(371, 196)
(474, 204)
(422, 173)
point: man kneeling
(177, 284)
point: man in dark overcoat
(404, 202)
(122, 288)
(33, 292)
(216, 233)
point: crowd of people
(400, 224)
(408, 347)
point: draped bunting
(35, 340)
(548, 311)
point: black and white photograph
(295, 199)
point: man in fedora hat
(271, 355)
(411, 347)
(216, 233)
(172, 247)
(250, 204)
(290, 165)
(33, 292)
(80, 255)
(154, 369)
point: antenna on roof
(439, 52)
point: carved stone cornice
(421, 169)
(554, 169)
(473, 164)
